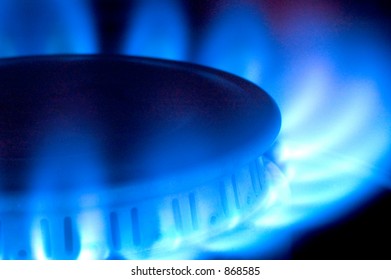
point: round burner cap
(129, 119)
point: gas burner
(126, 157)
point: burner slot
(235, 190)
(135, 227)
(115, 231)
(193, 211)
(224, 199)
(68, 236)
(177, 216)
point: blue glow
(45, 27)
(157, 29)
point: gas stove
(141, 130)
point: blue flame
(157, 29)
(45, 27)
(237, 41)
(336, 130)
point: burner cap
(144, 120)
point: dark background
(364, 234)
